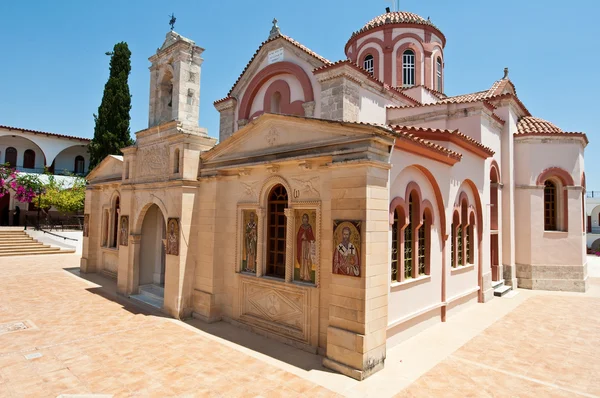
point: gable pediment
(278, 49)
(273, 137)
(111, 168)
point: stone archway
(152, 259)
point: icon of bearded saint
(345, 258)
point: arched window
(453, 245)
(276, 102)
(127, 170)
(10, 157)
(105, 228)
(408, 68)
(115, 223)
(176, 161)
(395, 248)
(369, 64)
(79, 164)
(408, 239)
(276, 231)
(438, 71)
(550, 199)
(422, 244)
(29, 159)
(470, 239)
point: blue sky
(53, 67)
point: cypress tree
(111, 132)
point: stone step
(502, 290)
(38, 247)
(2, 236)
(152, 291)
(496, 284)
(35, 253)
(20, 239)
(19, 244)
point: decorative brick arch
(265, 74)
(557, 172)
(376, 60)
(287, 107)
(398, 203)
(418, 50)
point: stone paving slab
(85, 343)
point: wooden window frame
(271, 268)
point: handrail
(592, 194)
(57, 235)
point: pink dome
(395, 18)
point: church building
(347, 205)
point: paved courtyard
(69, 335)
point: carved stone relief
(307, 185)
(272, 137)
(153, 162)
(281, 310)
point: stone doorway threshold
(151, 294)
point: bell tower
(175, 82)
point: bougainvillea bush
(24, 186)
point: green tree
(111, 132)
(64, 197)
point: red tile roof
(454, 136)
(44, 133)
(368, 76)
(289, 40)
(534, 126)
(411, 133)
(396, 17)
(530, 124)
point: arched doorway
(152, 258)
(4, 212)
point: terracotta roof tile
(369, 76)
(396, 17)
(534, 126)
(530, 124)
(45, 133)
(411, 133)
(430, 134)
(289, 40)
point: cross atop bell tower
(175, 81)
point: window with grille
(421, 244)
(115, 230)
(276, 232)
(550, 206)
(439, 74)
(368, 64)
(468, 238)
(452, 244)
(408, 68)
(395, 248)
(408, 241)
(459, 245)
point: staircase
(16, 242)
(500, 289)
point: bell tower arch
(175, 82)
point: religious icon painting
(173, 237)
(346, 247)
(86, 225)
(306, 259)
(249, 240)
(124, 232)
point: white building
(32, 151)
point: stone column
(260, 249)
(289, 245)
(226, 110)
(128, 275)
